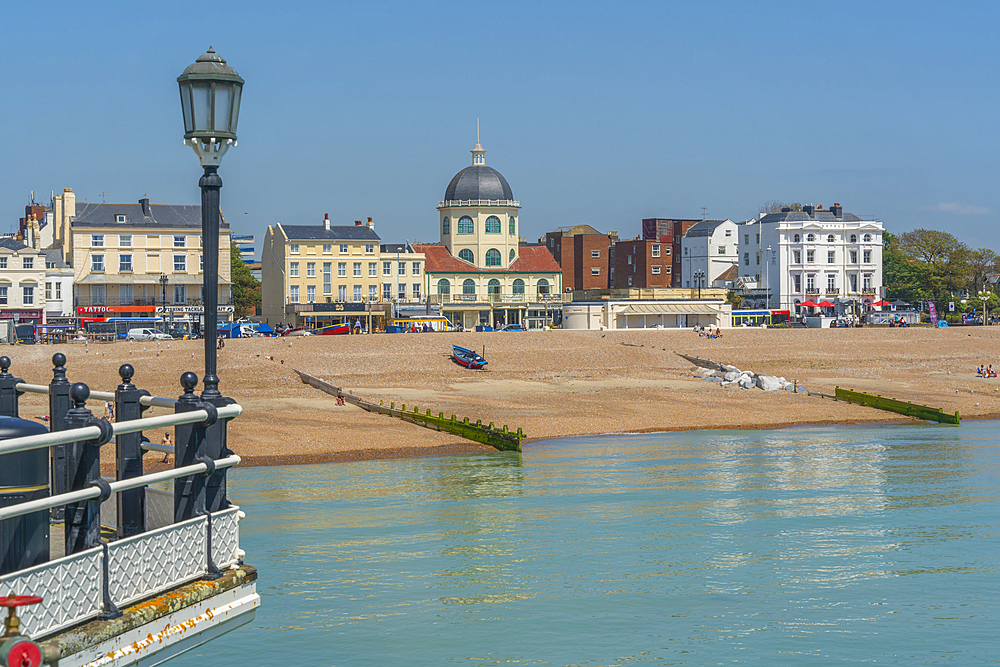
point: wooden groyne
(502, 439)
(900, 407)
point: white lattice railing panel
(226, 537)
(152, 562)
(70, 588)
(159, 508)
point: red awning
(808, 304)
(824, 304)
(883, 302)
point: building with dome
(481, 272)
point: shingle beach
(550, 384)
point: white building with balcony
(814, 255)
(708, 250)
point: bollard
(128, 456)
(83, 467)
(8, 390)
(59, 405)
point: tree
(980, 263)
(929, 245)
(246, 288)
(775, 206)
(734, 299)
(904, 278)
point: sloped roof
(732, 273)
(55, 256)
(704, 228)
(531, 258)
(575, 230)
(11, 244)
(160, 215)
(335, 233)
(802, 216)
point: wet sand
(550, 384)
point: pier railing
(145, 542)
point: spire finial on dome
(478, 152)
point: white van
(146, 334)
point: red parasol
(825, 304)
(879, 304)
(808, 304)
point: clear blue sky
(597, 113)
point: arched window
(868, 238)
(543, 286)
(518, 286)
(854, 238)
(513, 226)
(810, 238)
(469, 286)
(493, 257)
(512, 255)
(830, 238)
(466, 255)
(444, 287)
(796, 240)
(446, 226)
(465, 225)
(492, 225)
(493, 287)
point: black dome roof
(478, 182)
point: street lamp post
(210, 101)
(163, 285)
(699, 278)
(985, 296)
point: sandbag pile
(730, 376)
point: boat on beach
(334, 330)
(467, 358)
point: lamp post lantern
(210, 101)
(699, 278)
(163, 298)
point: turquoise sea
(804, 546)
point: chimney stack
(837, 210)
(144, 202)
(326, 221)
(809, 210)
(371, 225)
(357, 223)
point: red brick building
(669, 231)
(644, 263)
(584, 255)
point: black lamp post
(210, 100)
(699, 277)
(163, 284)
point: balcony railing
(494, 298)
(812, 290)
(124, 301)
(478, 202)
(868, 290)
(832, 291)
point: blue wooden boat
(467, 358)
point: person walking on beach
(166, 442)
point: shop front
(191, 319)
(22, 315)
(370, 316)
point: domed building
(481, 272)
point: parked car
(177, 333)
(513, 327)
(146, 334)
(839, 323)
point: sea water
(804, 546)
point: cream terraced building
(315, 275)
(22, 278)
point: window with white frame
(310, 269)
(357, 269)
(372, 269)
(415, 269)
(201, 262)
(369, 248)
(97, 262)
(125, 263)
(722, 250)
(656, 250)
(27, 295)
(656, 270)
(796, 256)
(810, 281)
(854, 282)
(831, 282)
(830, 257)
(595, 254)
(810, 238)
(293, 248)
(343, 248)
(48, 291)
(179, 242)
(27, 262)
(341, 269)
(327, 277)
(327, 248)
(310, 294)
(796, 283)
(868, 256)
(373, 292)
(595, 270)
(119, 218)
(97, 240)
(415, 290)
(293, 270)
(746, 259)
(341, 292)
(868, 238)
(866, 281)
(180, 262)
(357, 293)
(125, 240)
(3, 262)
(3, 296)
(180, 294)
(729, 233)
(293, 293)
(810, 256)
(854, 238)
(830, 238)
(402, 268)
(386, 268)
(387, 291)
(746, 239)
(854, 257)
(401, 291)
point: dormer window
(120, 218)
